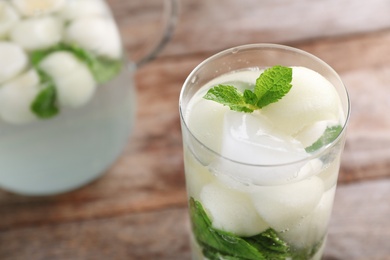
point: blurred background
(137, 210)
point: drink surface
(257, 177)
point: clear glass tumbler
(267, 207)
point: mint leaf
(44, 105)
(270, 245)
(221, 245)
(273, 84)
(216, 242)
(229, 96)
(330, 134)
(103, 69)
(250, 97)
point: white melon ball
(75, 9)
(37, 33)
(97, 34)
(8, 18)
(312, 228)
(74, 82)
(231, 211)
(197, 175)
(312, 98)
(16, 97)
(283, 206)
(13, 60)
(38, 7)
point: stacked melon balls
(294, 200)
(27, 26)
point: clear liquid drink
(261, 185)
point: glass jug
(67, 96)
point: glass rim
(254, 46)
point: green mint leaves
(45, 103)
(102, 69)
(330, 134)
(217, 244)
(271, 86)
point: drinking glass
(267, 210)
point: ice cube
(312, 98)
(330, 173)
(312, 228)
(312, 167)
(311, 133)
(283, 206)
(231, 211)
(249, 141)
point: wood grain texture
(359, 227)
(164, 234)
(206, 26)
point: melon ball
(312, 98)
(231, 211)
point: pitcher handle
(171, 12)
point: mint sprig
(217, 244)
(45, 103)
(273, 84)
(102, 69)
(330, 134)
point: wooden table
(137, 210)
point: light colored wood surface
(137, 210)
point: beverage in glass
(261, 183)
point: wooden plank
(154, 235)
(205, 25)
(360, 224)
(359, 230)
